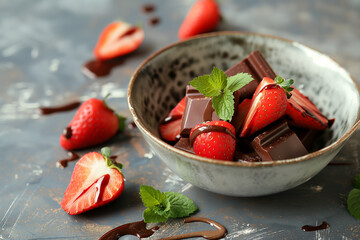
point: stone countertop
(43, 46)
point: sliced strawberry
(203, 17)
(242, 111)
(93, 123)
(268, 104)
(215, 139)
(170, 128)
(170, 131)
(95, 181)
(301, 112)
(117, 39)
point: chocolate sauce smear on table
(63, 108)
(308, 228)
(95, 68)
(67, 132)
(148, 8)
(340, 163)
(64, 162)
(139, 230)
(132, 125)
(154, 21)
(209, 128)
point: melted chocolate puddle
(139, 230)
(63, 108)
(64, 162)
(308, 228)
(95, 68)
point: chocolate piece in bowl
(184, 144)
(198, 109)
(278, 142)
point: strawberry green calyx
(285, 84)
(220, 88)
(106, 152)
(120, 118)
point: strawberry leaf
(285, 84)
(224, 105)
(106, 152)
(357, 181)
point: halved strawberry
(214, 139)
(203, 17)
(96, 180)
(170, 128)
(117, 39)
(301, 112)
(268, 104)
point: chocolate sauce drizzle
(170, 119)
(209, 128)
(139, 230)
(132, 125)
(308, 228)
(95, 68)
(154, 21)
(67, 132)
(64, 162)
(63, 108)
(148, 8)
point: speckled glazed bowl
(159, 83)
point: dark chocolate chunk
(307, 136)
(184, 144)
(277, 142)
(198, 109)
(244, 152)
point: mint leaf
(357, 181)
(221, 88)
(181, 205)
(353, 203)
(205, 86)
(224, 105)
(161, 206)
(150, 196)
(152, 217)
(238, 81)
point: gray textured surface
(42, 47)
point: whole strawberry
(93, 123)
(203, 16)
(215, 139)
(268, 104)
(96, 181)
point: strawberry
(301, 112)
(93, 123)
(117, 39)
(170, 128)
(203, 17)
(215, 139)
(96, 180)
(268, 104)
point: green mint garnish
(285, 84)
(161, 206)
(220, 88)
(353, 200)
(106, 152)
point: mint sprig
(161, 206)
(353, 200)
(285, 84)
(220, 88)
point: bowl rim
(194, 157)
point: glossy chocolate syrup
(67, 132)
(209, 128)
(171, 119)
(308, 228)
(139, 230)
(132, 125)
(96, 68)
(64, 162)
(209, 234)
(63, 108)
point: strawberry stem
(106, 152)
(285, 84)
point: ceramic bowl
(159, 83)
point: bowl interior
(160, 82)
